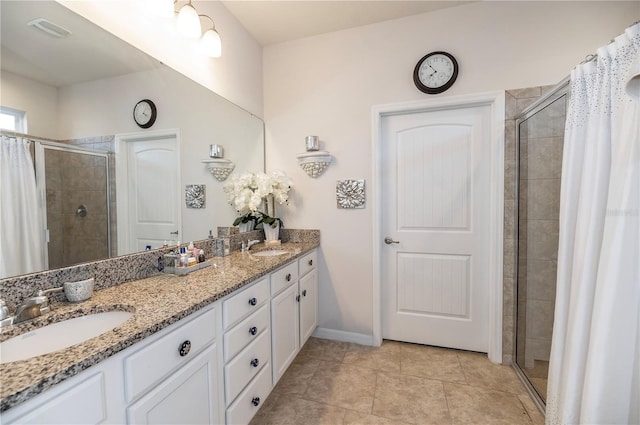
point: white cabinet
(247, 351)
(308, 305)
(294, 310)
(173, 378)
(186, 397)
(91, 397)
(285, 329)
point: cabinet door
(186, 397)
(285, 330)
(308, 305)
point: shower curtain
(594, 370)
(21, 230)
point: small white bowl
(79, 291)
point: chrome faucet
(30, 308)
(252, 243)
(247, 246)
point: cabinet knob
(288, 277)
(304, 292)
(185, 347)
(298, 298)
(253, 330)
(255, 362)
(311, 262)
(255, 401)
(253, 301)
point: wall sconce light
(217, 165)
(314, 161)
(188, 25)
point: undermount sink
(57, 336)
(270, 253)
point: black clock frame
(154, 113)
(437, 90)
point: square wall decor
(195, 195)
(350, 193)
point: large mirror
(80, 91)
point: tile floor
(332, 382)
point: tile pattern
(515, 102)
(156, 301)
(332, 382)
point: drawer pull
(288, 277)
(253, 330)
(304, 292)
(253, 301)
(311, 262)
(185, 347)
(255, 362)
(255, 401)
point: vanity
(203, 348)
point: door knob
(389, 241)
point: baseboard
(357, 338)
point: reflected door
(152, 192)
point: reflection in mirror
(77, 94)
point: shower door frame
(41, 184)
(560, 90)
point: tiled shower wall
(515, 102)
(75, 179)
(541, 143)
(106, 144)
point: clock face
(144, 113)
(435, 72)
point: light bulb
(211, 44)
(188, 22)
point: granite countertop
(156, 302)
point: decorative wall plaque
(194, 195)
(350, 193)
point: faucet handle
(4, 310)
(45, 292)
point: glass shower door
(540, 143)
(77, 206)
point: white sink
(270, 253)
(57, 336)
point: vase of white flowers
(251, 192)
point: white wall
(38, 100)
(326, 86)
(237, 75)
(104, 107)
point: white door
(152, 188)
(435, 214)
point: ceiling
(276, 21)
(88, 54)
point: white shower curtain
(594, 370)
(21, 229)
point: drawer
(150, 364)
(245, 332)
(244, 303)
(308, 262)
(239, 371)
(249, 402)
(284, 277)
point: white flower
(248, 191)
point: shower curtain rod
(52, 142)
(593, 56)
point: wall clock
(145, 113)
(435, 72)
